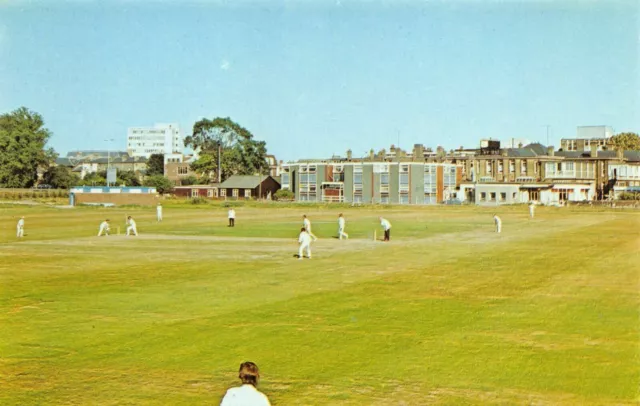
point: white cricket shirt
(245, 395)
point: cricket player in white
(498, 222)
(387, 228)
(20, 228)
(532, 209)
(304, 239)
(307, 226)
(132, 227)
(232, 217)
(104, 228)
(159, 212)
(341, 223)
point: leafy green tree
(241, 154)
(626, 141)
(155, 165)
(128, 178)
(95, 179)
(161, 183)
(60, 177)
(189, 180)
(23, 138)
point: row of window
(492, 196)
(223, 193)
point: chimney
(371, 154)
(418, 152)
(594, 151)
(550, 150)
(349, 154)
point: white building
(159, 139)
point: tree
(127, 178)
(161, 183)
(189, 180)
(23, 138)
(60, 177)
(241, 154)
(155, 165)
(626, 141)
(95, 179)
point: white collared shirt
(304, 238)
(232, 214)
(307, 224)
(245, 395)
(497, 220)
(21, 223)
(341, 222)
(385, 224)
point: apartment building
(159, 139)
(588, 136)
(370, 181)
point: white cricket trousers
(341, 233)
(499, 228)
(304, 247)
(130, 229)
(19, 231)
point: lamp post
(108, 141)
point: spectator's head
(249, 373)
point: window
(235, 193)
(534, 195)
(209, 192)
(500, 167)
(384, 179)
(183, 170)
(194, 192)
(223, 192)
(563, 195)
(488, 164)
(247, 193)
(384, 199)
(483, 196)
(523, 167)
(492, 196)
(503, 196)
(404, 199)
(512, 166)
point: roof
(521, 152)
(243, 181)
(537, 148)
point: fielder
(232, 217)
(304, 239)
(132, 227)
(532, 209)
(159, 212)
(104, 228)
(498, 222)
(387, 228)
(341, 223)
(307, 226)
(20, 228)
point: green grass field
(449, 312)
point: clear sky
(314, 78)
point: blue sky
(314, 78)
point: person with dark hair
(247, 394)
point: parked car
(44, 186)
